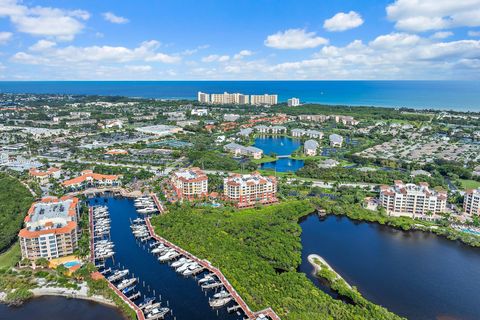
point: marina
(151, 273)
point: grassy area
(259, 251)
(10, 257)
(469, 184)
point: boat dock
(239, 302)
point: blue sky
(241, 39)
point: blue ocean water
(455, 95)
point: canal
(184, 296)
(59, 308)
(414, 274)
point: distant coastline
(462, 96)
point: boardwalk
(207, 265)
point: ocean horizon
(441, 95)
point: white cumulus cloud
(44, 21)
(294, 39)
(113, 18)
(216, 58)
(343, 21)
(426, 15)
(442, 34)
(5, 36)
(147, 51)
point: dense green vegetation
(376, 113)
(259, 250)
(15, 199)
(341, 174)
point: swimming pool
(70, 264)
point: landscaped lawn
(10, 257)
(469, 184)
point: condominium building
(89, 178)
(293, 102)
(239, 150)
(310, 147)
(189, 183)
(237, 98)
(229, 98)
(411, 199)
(203, 97)
(266, 99)
(471, 202)
(249, 189)
(336, 140)
(51, 228)
(44, 176)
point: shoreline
(81, 294)
(323, 263)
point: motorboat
(207, 278)
(128, 290)
(180, 262)
(126, 283)
(167, 256)
(158, 249)
(117, 275)
(192, 269)
(222, 294)
(184, 267)
(216, 303)
(157, 313)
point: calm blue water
(283, 165)
(184, 296)
(59, 308)
(281, 146)
(414, 274)
(458, 95)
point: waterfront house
(278, 129)
(336, 140)
(238, 150)
(310, 147)
(297, 133)
(262, 129)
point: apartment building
(264, 99)
(237, 98)
(89, 178)
(189, 183)
(51, 228)
(310, 147)
(336, 140)
(411, 199)
(229, 98)
(471, 202)
(239, 150)
(249, 189)
(44, 176)
(203, 97)
(293, 102)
